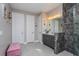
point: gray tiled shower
(71, 27)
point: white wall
(56, 23)
(57, 10)
(44, 21)
(5, 32)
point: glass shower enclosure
(71, 27)
(76, 29)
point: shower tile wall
(59, 43)
(67, 24)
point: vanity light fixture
(55, 16)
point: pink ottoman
(14, 50)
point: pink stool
(14, 50)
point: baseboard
(36, 41)
(33, 41)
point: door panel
(30, 28)
(39, 30)
(17, 27)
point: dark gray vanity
(49, 40)
(56, 42)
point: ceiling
(34, 7)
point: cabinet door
(30, 28)
(17, 27)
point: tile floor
(38, 49)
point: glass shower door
(76, 29)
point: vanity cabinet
(56, 42)
(48, 40)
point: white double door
(23, 28)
